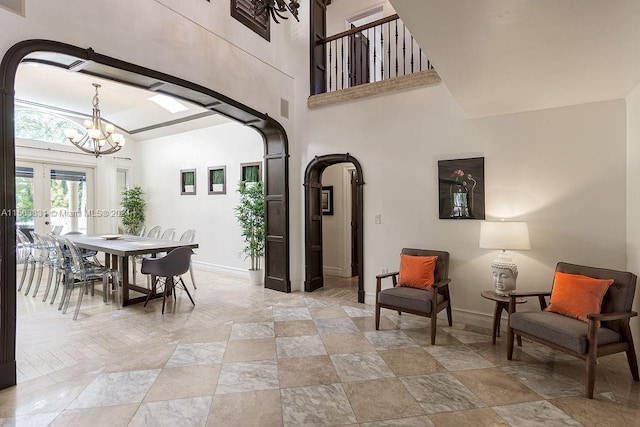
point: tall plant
(250, 215)
(133, 205)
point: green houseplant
(250, 215)
(133, 205)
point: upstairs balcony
(367, 60)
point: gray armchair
(421, 302)
(584, 340)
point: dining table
(118, 248)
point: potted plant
(250, 215)
(133, 205)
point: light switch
(378, 219)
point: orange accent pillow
(417, 271)
(576, 296)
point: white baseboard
(334, 271)
(215, 268)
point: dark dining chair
(167, 271)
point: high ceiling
(504, 56)
(125, 106)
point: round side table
(502, 303)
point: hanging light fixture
(276, 8)
(100, 138)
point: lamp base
(505, 273)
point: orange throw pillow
(417, 271)
(576, 296)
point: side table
(502, 303)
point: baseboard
(215, 268)
(8, 374)
(333, 271)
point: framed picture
(327, 200)
(217, 178)
(461, 188)
(187, 181)
(16, 6)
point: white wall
(212, 216)
(633, 201)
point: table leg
(123, 263)
(496, 322)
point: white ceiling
(125, 106)
(503, 56)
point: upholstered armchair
(422, 299)
(588, 316)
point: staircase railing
(381, 50)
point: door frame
(313, 180)
(276, 160)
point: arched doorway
(313, 220)
(63, 55)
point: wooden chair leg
(631, 352)
(449, 316)
(434, 318)
(377, 317)
(591, 375)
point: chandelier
(100, 138)
(276, 8)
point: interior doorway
(52, 53)
(318, 202)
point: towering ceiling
(503, 56)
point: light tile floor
(246, 356)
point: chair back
(168, 234)
(620, 295)
(441, 272)
(188, 236)
(23, 246)
(154, 233)
(174, 263)
(77, 263)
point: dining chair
(168, 234)
(24, 256)
(189, 236)
(84, 272)
(42, 252)
(166, 270)
(154, 233)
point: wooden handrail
(357, 29)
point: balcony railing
(381, 50)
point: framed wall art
(187, 181)
(327, 200)
(217, 179)
(461, 188)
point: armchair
(602, 334)
(421, 302)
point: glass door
(54, 198)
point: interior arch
(313, 220)
(277, 275)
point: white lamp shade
(504, 235)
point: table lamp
(504, 235)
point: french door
(51, 197)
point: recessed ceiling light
(168, 103)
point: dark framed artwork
(251, 172)
(245, 12)
(326, 200)
(217, 178)
(16, 6)
(187, 181)
(461, 188)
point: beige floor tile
(110, 416)
(381, 400)
(306, 371)
(218, 333)
(295, 328)
(330, 312)
(410, 361)
(256, 408)
(254, 349)
(495, 387)
(367, 324)
(346, 343)
(184, 382)
(484, 417)
(598, 411)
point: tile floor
(246, 356)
